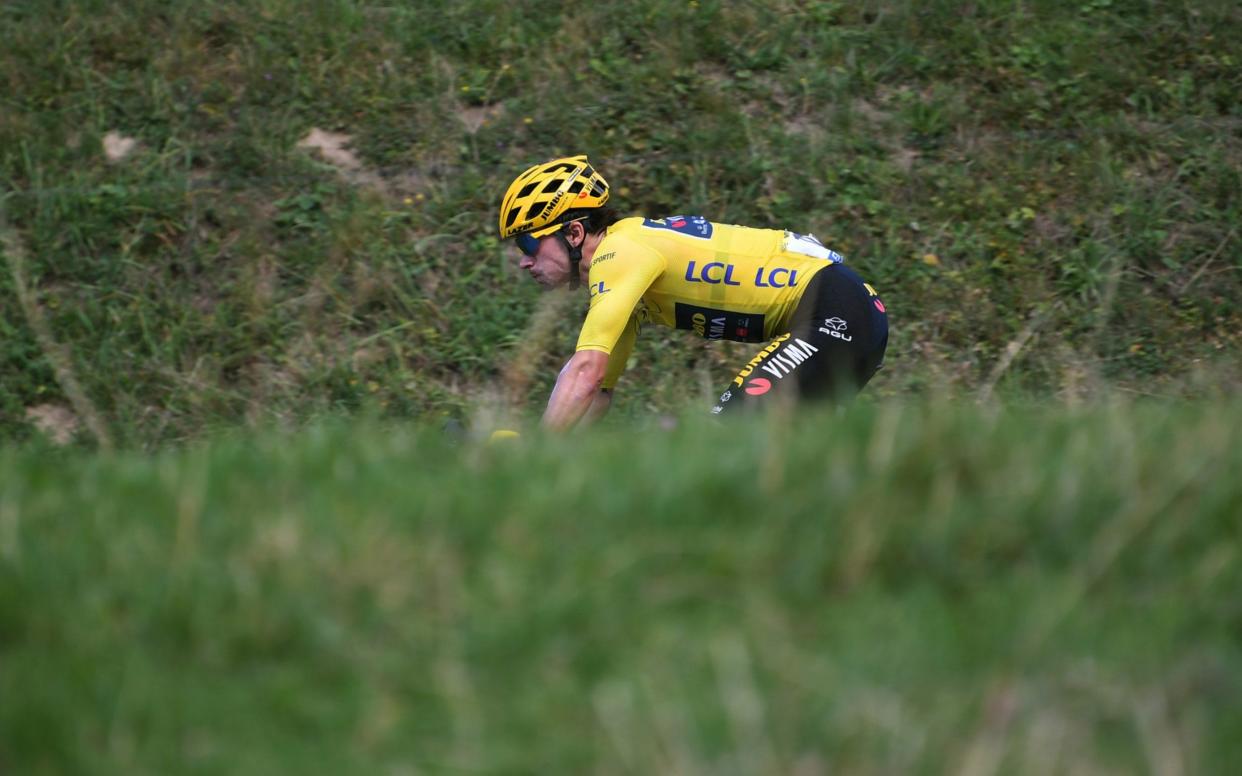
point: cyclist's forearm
(599, 406)
(576, 390)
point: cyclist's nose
(526, 262)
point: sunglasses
(530, 245)
(527, 244)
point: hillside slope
(243, 212)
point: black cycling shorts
(834, 345)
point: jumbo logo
(717, 272)
(754, 362)
(778, 364)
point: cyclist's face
(548, 264)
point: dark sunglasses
(527, 244)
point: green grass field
(909, 588)
(248, 271)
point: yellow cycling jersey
(718, 280)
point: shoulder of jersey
(626, 225)
(618, 235)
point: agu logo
(835, 327)
(758, 386)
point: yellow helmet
(541, 198)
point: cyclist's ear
(577, 234)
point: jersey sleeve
(621, 272)
(621, 353)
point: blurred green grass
(913, 588)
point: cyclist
(826, 330)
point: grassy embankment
(1045, 192)
(911, 589)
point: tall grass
(907, 588)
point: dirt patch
(333, 148)
(117, 146)
(54, 420)
(475, 117)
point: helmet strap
(575, 257)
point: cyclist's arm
(607, 335)
(616, 366)
(576, 390)
(599, 406)
(602, 399)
